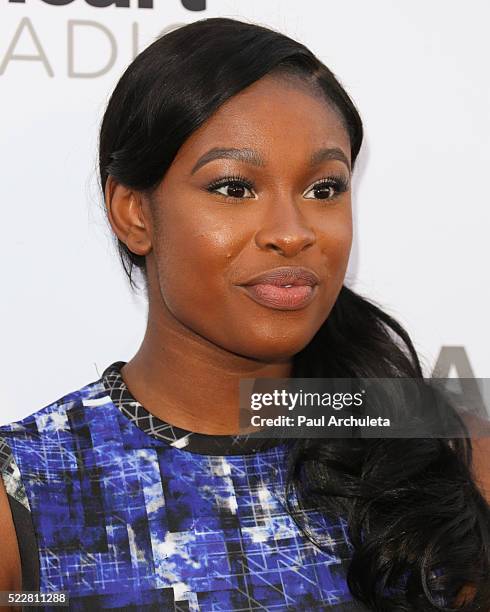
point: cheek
(335, 241)
(192, 262)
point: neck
(185, 380)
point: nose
(285, 230)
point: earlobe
(127, 218)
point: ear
(128, 219)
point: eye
(232, 187)
(328, 188)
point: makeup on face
(283, 288)
(254, 224)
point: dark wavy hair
(413, 509)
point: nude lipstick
(284, 288)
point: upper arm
(10, 564)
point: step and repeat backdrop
(417, 71)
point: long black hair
(412, 504)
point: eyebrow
(252, 157)
(329, 153)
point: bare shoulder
(479, 430)
(10, 565)
(481, 464)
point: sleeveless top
(126, 512)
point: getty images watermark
(308, 399)
(380, 408)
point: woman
(226, 156)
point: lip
(268, 287)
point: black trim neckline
(203, 444)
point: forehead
(276, 115)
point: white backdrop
(418, 72)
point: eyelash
(339, 183)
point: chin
(273, 349)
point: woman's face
(263, 184)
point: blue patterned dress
(127, 512)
